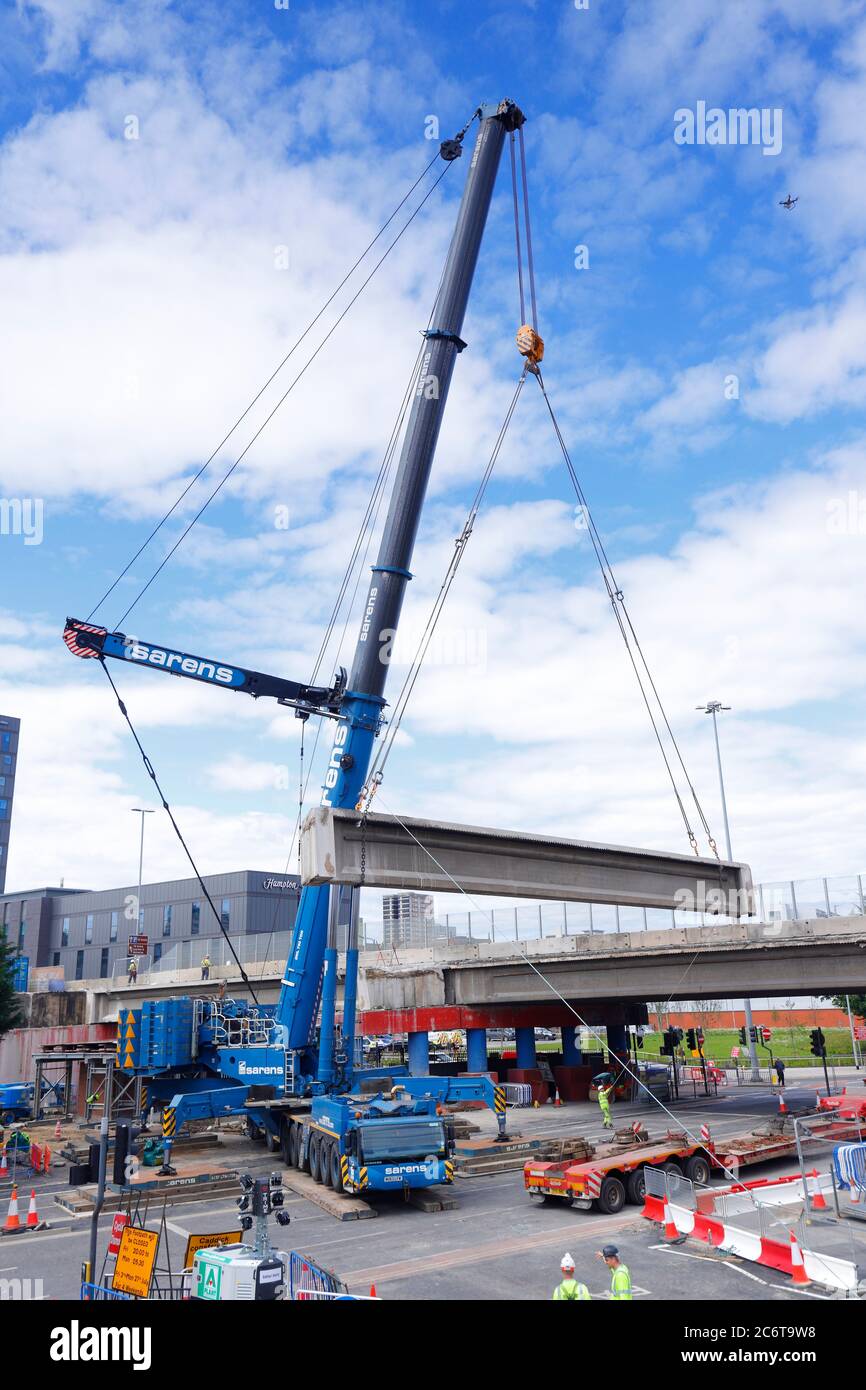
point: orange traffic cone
(4, 1166)
(58, 1132)
(783, 1109)
(798, 1268)
(32, 1213)
(13, 1221)
(373, 1293)
(556, 1098)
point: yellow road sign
(209, 1242)
(135, 1260)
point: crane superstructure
(208, 1057)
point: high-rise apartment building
(9, 728)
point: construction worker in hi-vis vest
(604, 1103)
(620, 1279)
(569, 1288)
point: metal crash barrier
(309, 1281)
(517, 1094)
(99, 1292)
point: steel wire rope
(148, 765)
(549, 984)
(617, 600)
(349, 273)
(377, 769)
(368, 526)
(229, 471)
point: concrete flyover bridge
(819, 955)
(605, 978)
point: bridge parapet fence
(787, 900)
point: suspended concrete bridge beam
(433, 856)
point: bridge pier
(571, 1054)
(476, 1049)
(419, 1054)
(525, 1043)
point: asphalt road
(499, 1244)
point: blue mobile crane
(209, 1057)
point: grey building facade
(87, 933)
(407, 919)
(9, 730)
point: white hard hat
(566, 1262)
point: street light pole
(714, 707)
(140, 811)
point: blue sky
(145, 307)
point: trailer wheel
(636, 1188)
(611, 1199)
(272, 1142)
(315, 1156)
(286, 1128)
(698, 1170)
(254, 1131)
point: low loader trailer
(615, 1173)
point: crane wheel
(316, 1156)
(336, 1169)
(325, 1155)
(295, 1145)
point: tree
(10, 1004)
(858, 1003)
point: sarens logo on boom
(198, 666)
(248, 1069)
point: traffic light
(699, 1034)
(691, 1040)
(742, 1037)
(818, 1048)
(753, 1033)
(125, 1136)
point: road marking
(450, 1259)
(708, 1259)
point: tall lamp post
(715, 707)
(140, 811)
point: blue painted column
(525, 1040)
(570, 1050)
(419, 1054)
(476, 1049)
(617, 1038)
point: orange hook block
(530, 344)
